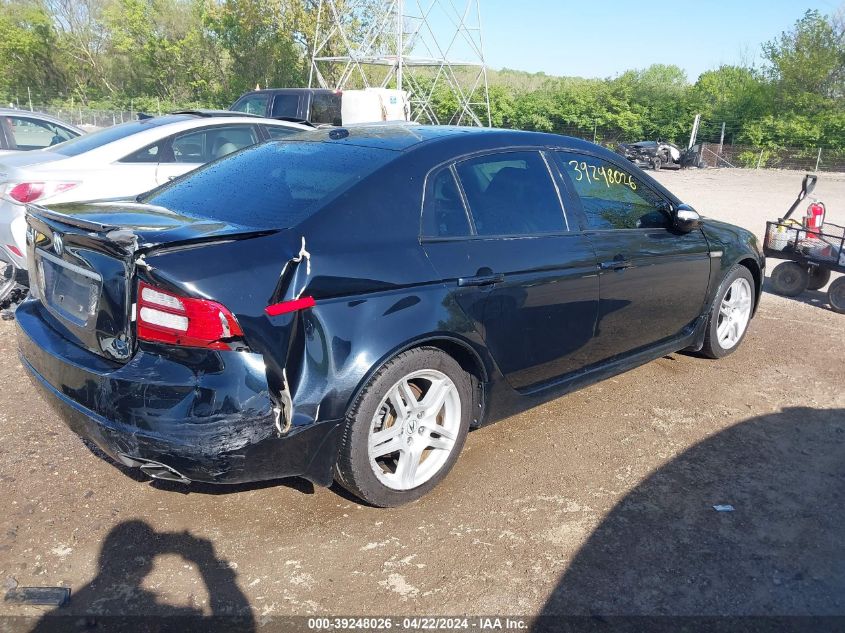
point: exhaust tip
(154, 469)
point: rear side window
(274, 185)
(612, 197)
(151, 154)
(286, 106)
(511, 194)
(325, 108)
(277, 132)
(252, 104)
(444, 214)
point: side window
(325, 108)
(209, 144)
(511, 194)
(29, 134)
(253, 104)
(277, 132)
(444, 214)
(612, 197)
(286, 105)
(157, 153)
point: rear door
(653, 279)
(494, 227)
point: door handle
(615, 264)
(481, 280)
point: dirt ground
(600, 502)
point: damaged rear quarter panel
(375, 293)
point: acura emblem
(58, 244)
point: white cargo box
(374, 104)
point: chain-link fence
(90, 117)
(747, 156)
(84, 116)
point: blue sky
(603, 38)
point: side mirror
(686, 219)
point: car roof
(38, 115)
(290, 91)
(402, 137)
(148, 131)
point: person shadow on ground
(772, 546)
(115, 600)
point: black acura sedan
(346, 304)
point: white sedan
(120, 161)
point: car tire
(790, 279)
(387, 467)
(836, 295)
(730, 314)
(817, 277)
(656, 164)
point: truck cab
(315, 105)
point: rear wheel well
(754, 268)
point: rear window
(87, 142)
(273, 185)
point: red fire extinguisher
(814, 220)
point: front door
(494, 227)
(653, 279)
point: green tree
(809, 59)
(28, 51)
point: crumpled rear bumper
(205, 414)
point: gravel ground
(598, 502)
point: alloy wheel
(415, 429)
(734, 313)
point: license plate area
(69, 291)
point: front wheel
(836, 295)
(406, 428)
(730, 314)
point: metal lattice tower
(420, 46)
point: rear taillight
(25, 192)
(164, 317)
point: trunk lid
(25, 159)
(82, 259)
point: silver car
(21, 131)
(120, 161)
